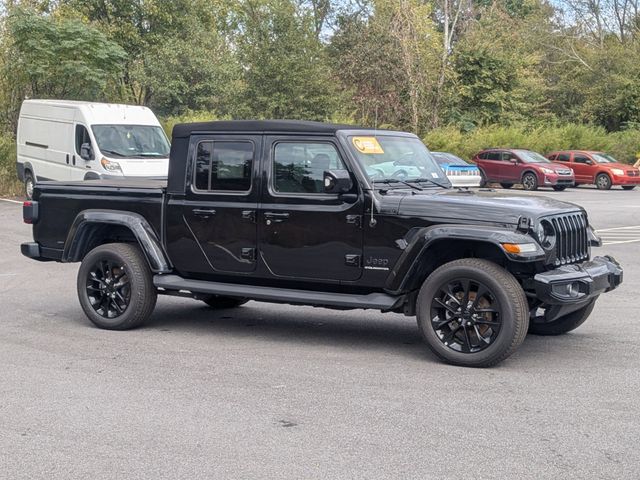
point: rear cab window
(223, 166)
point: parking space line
(635, 240)
(9, 200)
(619, 228)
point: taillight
(30, 212)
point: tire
(483, 180)
(603, 181)
(506, 185)
(218, 301)
(628, 187)
(505, 306)
(29, 183)
(108, 305)
(530, 181)
(559, 188)
(564, 324)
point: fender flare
(80, 232)
(420, 240)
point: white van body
(125, 141)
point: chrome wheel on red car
(530, 181)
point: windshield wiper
(153, 154)
(430, 180)
(397, 180)
(112, 152)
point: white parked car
(67, 140)
(459, 172)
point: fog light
(570, 290)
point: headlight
(617, 171)
(110, 166)
(547, 170)
(546, 234)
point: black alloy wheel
(472, 312)
(530, 181)
(465, 315)
(108, 289)
(115, 286)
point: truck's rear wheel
(219, 301)
(472, 313)
(564, 324)
(115, 286)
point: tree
(49, 57)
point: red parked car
(598, 168)
(510, 166)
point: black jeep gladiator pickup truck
(328, 215)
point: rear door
(509, 171)
(491, 165)
(304, 232)
(214, 223)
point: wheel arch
(92, 228)
(530, 170)
(432, 247)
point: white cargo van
(67, 140)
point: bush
(191, 116)
(624, 145)
(9, 184)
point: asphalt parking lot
(271, 391)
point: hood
(621, 166)
(460, 206)
(554, 166)
(143, 167)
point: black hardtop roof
(280, 126)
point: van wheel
(603, 181)
(564, 324)
(115, 286)
(29, 183)
(472, 313)
(219, 301)
(530, 181)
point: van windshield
(131, 141)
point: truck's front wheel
(472, 313)
(564, 324)
(115, 286)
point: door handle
(203, 212)
(275, 217)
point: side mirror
(337, 181)
(513, 160)
(86, 152)
(589, 162)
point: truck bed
(60, 203)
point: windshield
(603, 158)
(527, 156)
(448, 159)
(131, 141)
(386, 157)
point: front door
(583, 168)
(214, 223)
(304, 232)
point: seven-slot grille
(572, 242)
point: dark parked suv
(286, 212)
(511, 166)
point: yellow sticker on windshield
(367, 145)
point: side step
(376, 301)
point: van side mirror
(86, 152)
(337, 181)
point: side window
(580, 159)
(82, 136)
(562, 157)
(298, 167)
(223, 166)
(505, 156)
(494, 156)
(553, 157)
(483, 156)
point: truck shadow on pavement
(361, 330)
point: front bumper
(626, 180)
(554, 179)
(578, 284)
